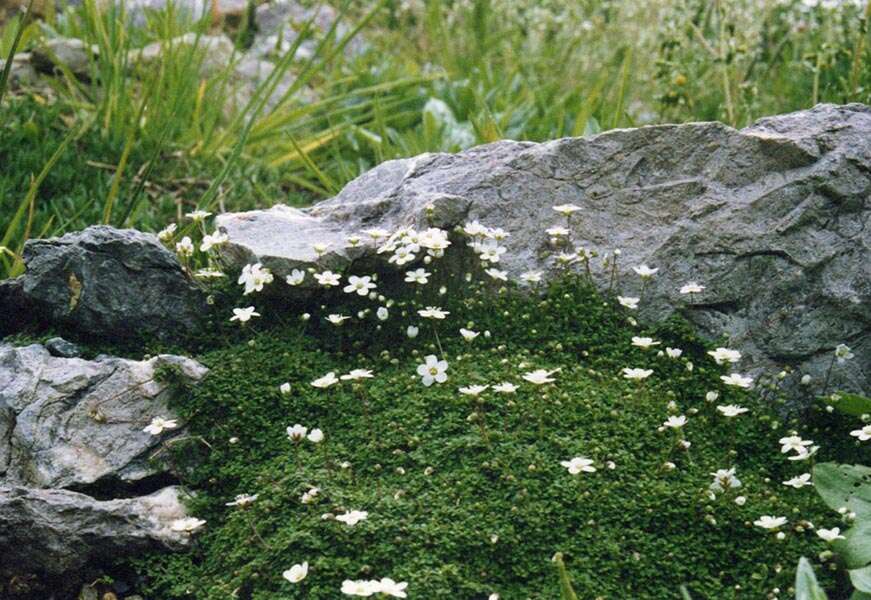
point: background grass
(149, 144)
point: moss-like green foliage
(467, 497)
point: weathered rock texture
(773, 219)
(59, 531)
(71, 422)
(111, 283)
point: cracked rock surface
(773, 219)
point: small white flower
(296, 573)
(296, 277)
(213, 240)
(628, 302)
(433, 370)
(769, 522)
(644, 271)
(359, 285)
(637, 374)
(309, 496)
(794, 443)
(724, 355)
(328, 278)
(360, 587)
(731, 410)
(863, 434)
(297, 432)
(737, 380)
(675, 422)
(337, 319)
(357, 374)
(579, 464)
(644, 342)
(712, 396)
(353, 517)
(468, 334)
(243, 500)
(724, 479)
(497, 274)
(433, 312)
(325, 381)
(185, 247)
(320, 248)
(539, 376)
(284, 388)
(419, 276)
(167, 232)
(158, 425)
(843, 353)
(254, 277)
(198, 215)
(396, 589)
(412, 331)
(187, 524)
(800, 481)
(505, 388)
(243, 315)
(830, 535)
(673, 352)
(692, 288)
(315, 436)
(473, 390)
(531, 277)
(566, 209)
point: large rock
(14, 311)
(773, 219)
(59, 531)
(111, 283)
(68, 422)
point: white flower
(284, 388)
(433, 370)
(539, 376)
(505, 388)
(353, 517)
(863, 434)
(213, 240)
(243, 500)
(737, 380)
(309, 496)
(830, 535)
(296, 573)
(360, 587)
(209, 273)
(473, 390)
(644, 271)
(723, 355)
(158, 425)
(185, 247)
(320, 248)
(793, 443)
(493, 597)
(337, 319)
(417, 276)
(557, 232)
(843, 353)
(799, 482)
(475, 229)
(376, 234)
(356, 374)
(724, 479)
(637, 374)
(731, 410)
(359, 285)
(531, 277)
(566, 209)
(296, 277)
(315, 436)
(433, 312)
(644, 342)
(389, 587)
(673, 352)
(468, 334)
(768, 522)
(497, 274)
(254, 277)
(187, 524)
(328, 278)
(804, 453)
(712, 396)
(167, 232)
(382, 313)
(675, 422)
(243, 315)
(579, 464)
(692, 288)
(412, 331)
(325, 381)
(198, 215)
(296, 433)
(628, 302)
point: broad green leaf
(861, 579)
(806, 586)
(857, 595)
(845, 486)
(856, 549)
(850, 404)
